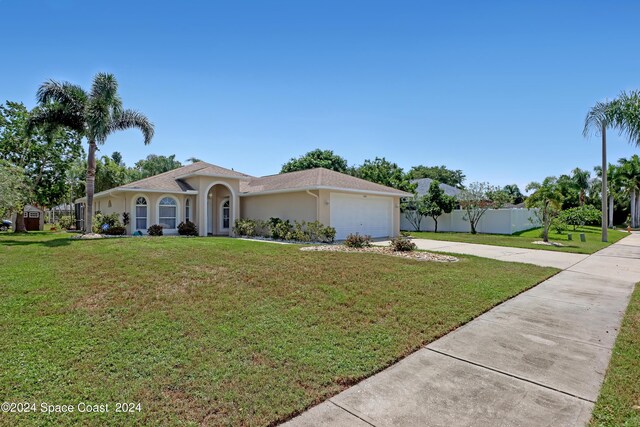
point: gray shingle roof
(171, 181)
(314, 178)
(425, 183)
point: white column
(201, 202)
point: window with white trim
(168, 211)
(187, 210)
(141, 213)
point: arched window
(168, 211)
(141, 213)
(187, 210)
(225, 215)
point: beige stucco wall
(125, 202)
(209, 208)
(295, 206)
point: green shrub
(245, 227)
(187, 228)
(125, 218)
(581, 215)
(405, 233)
(558, 225)
(102, 222)
(155, 230)
(402, 244)
(299, 232)
(280, 229)
(358, 241)
(66, 222)
(116, 230)
(320, 233)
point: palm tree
(630, 179)
(614, 185)
(622, 114)
(581, 178)
(598, 120)
(95, 115)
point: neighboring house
(425, 183)
(213, 197)
(33, 218)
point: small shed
(33, 218)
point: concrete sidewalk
(538, 359)
(562, 260)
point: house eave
(322, 187)
(135, 190)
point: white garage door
(351, 213)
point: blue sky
(497, 89)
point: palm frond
(626, 116)
(130, 119)
(105, 90)
(597, 118)
(54, 115)
(62, 92)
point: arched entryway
(220, 210)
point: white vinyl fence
(494, 221)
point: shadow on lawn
(10, 239)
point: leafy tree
(316, 159)
(14, 191)
(582, 215)
(622, 114)
(42, 153)
(437, 202)
(514, 193)
(382, 171)
(415, 209)
(569, 190)
(193, 160)
(94, 114)
(110, 173)
(154, 165)
(455, 178)
(478, 198)
(547, 200)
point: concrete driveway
(538, 359)
(562, 260)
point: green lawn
(525, 239)
(218, 331)
(619, 400)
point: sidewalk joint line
(511, 375)
(349, 412)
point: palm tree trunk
(605, 230)
(91, 180)
(638, 209)
(633, 208)
(610, 210)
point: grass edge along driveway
(218, 331)
(619, 401)
(525, 239)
